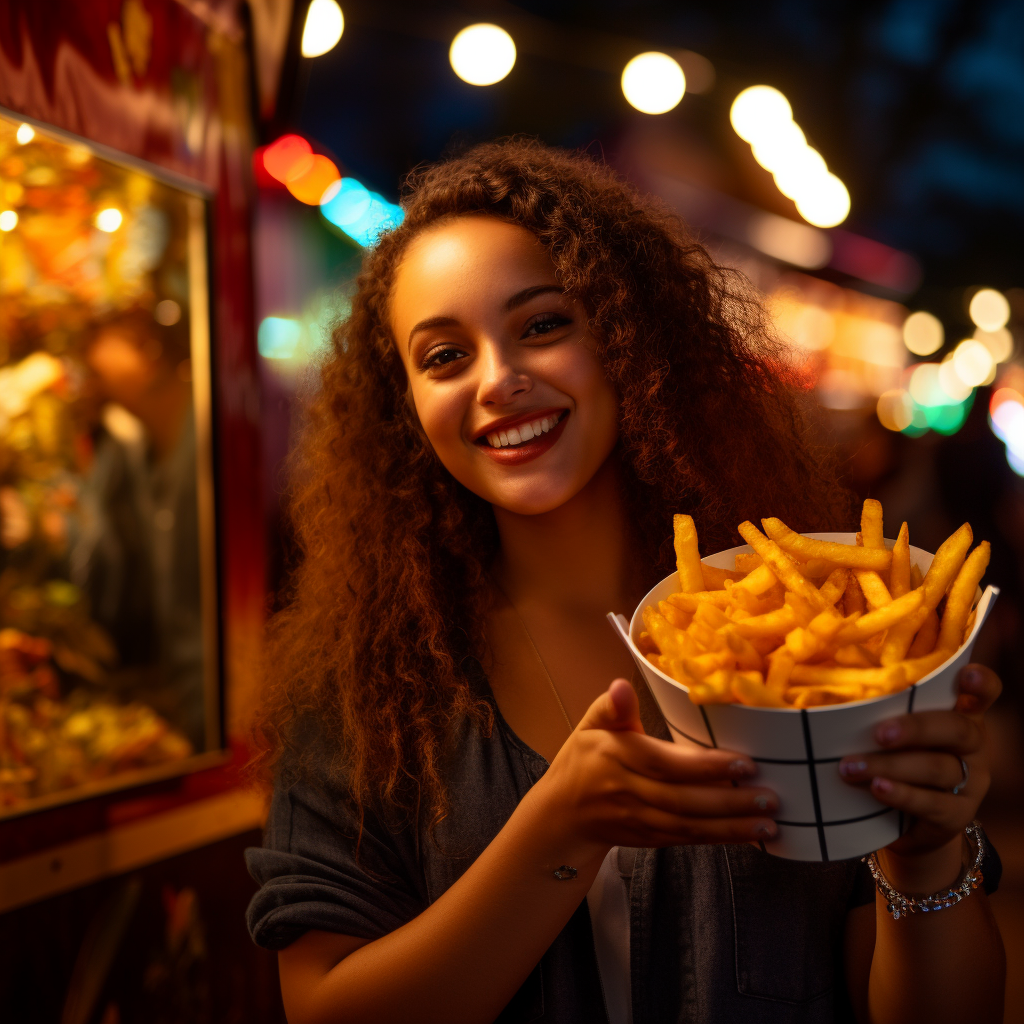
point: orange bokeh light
(1004, 395)
(309, 183)
(290, 155)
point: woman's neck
(576, 555)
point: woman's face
(503, 374)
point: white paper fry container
(797, 751)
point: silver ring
(958, 788)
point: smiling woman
(541, 367)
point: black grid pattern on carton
(819, 823)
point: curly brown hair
(386, 609)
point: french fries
(802, 623)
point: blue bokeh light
(359, 213)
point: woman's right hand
(613, 785)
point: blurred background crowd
(186, 190)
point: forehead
(476, 257)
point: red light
(287, 157)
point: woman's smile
(518, 439)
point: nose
(500, 380)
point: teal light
(361, 214)
(918, 425)
(278, 337)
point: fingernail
(764, 803)
(766, 831)
(970, 678)
(850, 768)
(880, 785)
(888, 732)
(745, 768)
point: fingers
(979, 689)
(933, 730)
(703, 801)
(660, 828)
(918, 768)
(668, 762)
(617, 709)
(942, 810)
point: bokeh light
(167, 313)
(8, 220)
(798, 173)
(757, 111)
(895, 409)
(924, 386)
(825, 203)
(359, 213)
(109, 220)
(25, 133)
(999, 343)
(923, 333)
(952, 384)
(1006, 418)
(287, 156)
(653, 82)
(323, 28)
(989, 309)
(278, 337)
(310, 184)
(780, 148)
(973, 362)
(482, 54)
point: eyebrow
(513, 302)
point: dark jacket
(717, 933)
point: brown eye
(545, 324)
(443, 356)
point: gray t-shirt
(717, 933)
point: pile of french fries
(800, 623)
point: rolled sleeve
(317, 870)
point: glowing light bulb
(973, 362)
(25, 133)
(826, 202)
(989, 309)
(324, 26)
(309, 182)
(290, 155)
(758, 111)
(8, 220)
(482, 54)
(798, 173)
(922, 333)
(653, 82)
(109, 220)
(779, 148)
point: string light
(653, 82)
(290, 155)
(973, 362)
(309, 183)
(25, 133)
(323, 28)
(359, 213)
(763, 117)
(8, 220)
(482, 54)
(999, 343)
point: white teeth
(524, 432)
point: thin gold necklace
(536, 651)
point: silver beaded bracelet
(900, 905)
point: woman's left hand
(919, 766)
